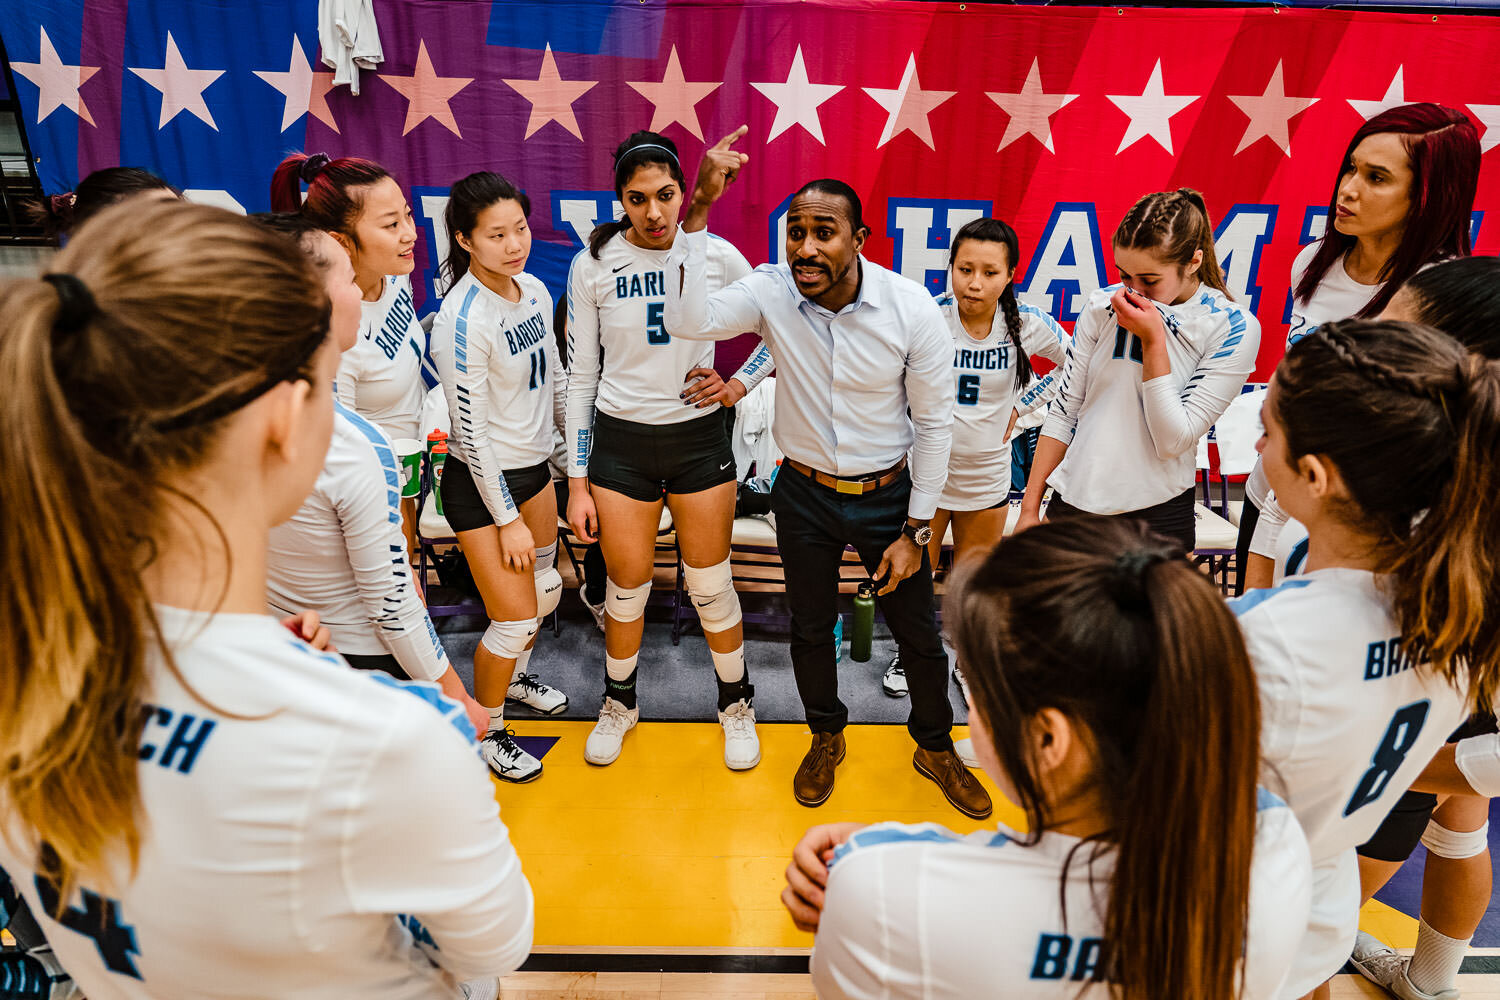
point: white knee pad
(546, 558)
(508, 640)
(625, 604)
(549, 585)
(712, 591)
(1453, 844)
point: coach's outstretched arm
(691, 313)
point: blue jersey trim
(385, 455)
(875, 837)
(1267, 800)
(426, 691)
(461, 332)
(1254, 599)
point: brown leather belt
(857, 487)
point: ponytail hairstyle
(1442, 146)
(335, 190)
(1172, 225)
(298, 230)
(466, 201)
(1461, 297)
(1412, 422)
(996, 231)
(156, 323)
(641, 149)
(1106, 623)
(59, 214)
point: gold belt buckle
(853, 486)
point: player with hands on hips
(493, 347)
(1154, 361)
(864, 418)
(281, 825)
(339, 553)
(1353, 714)
(1086, 642)
(643, 428)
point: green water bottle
(864, 622)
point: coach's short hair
(837, 188)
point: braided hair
(995, 231)
(1411, 420)
(1172, 225)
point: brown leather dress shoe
(959, 786)
(814, 780)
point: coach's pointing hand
(718, 169)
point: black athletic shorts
(1402, 830)
(383, 662)
(464, 508)
(1173, 519)
(646, 461)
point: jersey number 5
(1127, 341)
(1400, 736)
(968, 389)
(98, 918)
(655, 332)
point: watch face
(922, 535)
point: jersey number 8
(1400, 736)
(655, 332)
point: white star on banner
(797, 100)
(674, 100)
(1395, 96)
(1489, 118)
(181, 88)
(1271, 113)
(909, 106)
(1031, 110)
(295, 85)
(57, 81)
(1151, 113)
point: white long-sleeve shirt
(309, 832)
(920, 913)
(343, 555)
(386, 374)
(856, 390)
(1132, 443)
(497, 361)
(1348, 721)
(625, 358)
(986, 393)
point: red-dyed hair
(1443, 148)
(334, 193)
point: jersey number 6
(968, 389)
(655, 332)
(1400, 736)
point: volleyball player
(1085, 643)
(1354, 712)
(60, 214)
(282, 825)
(490, 344)
(994, 337)
(1401, 202)
(385, 376)
(1153, 363)
(643, 426)
(340, 554)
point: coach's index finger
(730, 139)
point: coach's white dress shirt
(857, 389)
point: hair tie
(61, 204)
(1128, 578)
(312, 166)
(76, 303)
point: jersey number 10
(655, 332)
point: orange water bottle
(437, 454)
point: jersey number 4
(99, 919)
(1400, 736)
(1127, 343)
(655, 332)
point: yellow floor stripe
(1388, 924)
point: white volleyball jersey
(308, 831)
(386, 374)
(495, 359)
(920, 912)
(1133, 444)
(1348, 722)
(343, 555)
(622, 360)
(985, 395)
(1291, 551)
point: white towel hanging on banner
(350, 39)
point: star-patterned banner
(1053, 119)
